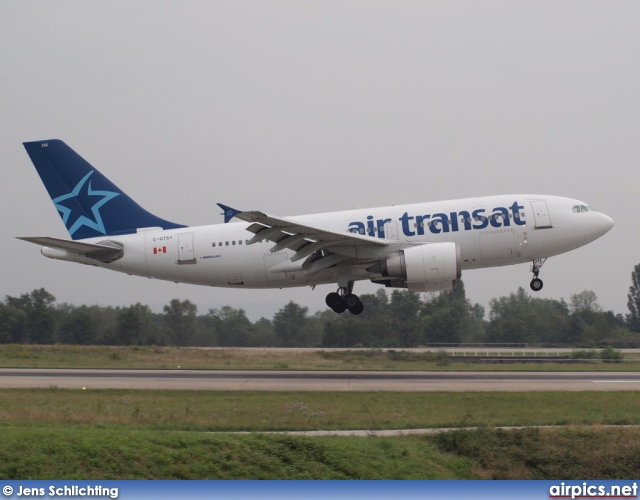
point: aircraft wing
(305, 239)
(104, 251)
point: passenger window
(213, 244)
(226, 243)
(233, 242)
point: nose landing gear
(536, 283)
(343, 299)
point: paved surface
(413, 432)
(466, 348)
(319, 380)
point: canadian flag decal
(158, 250)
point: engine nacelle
(424, 268)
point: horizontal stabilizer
(106, 251)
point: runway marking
(615, 381)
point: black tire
(351, 300)
(333, 300)
(354, 304)
(536, 284)
(357, 309)
(340, 308)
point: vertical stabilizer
(89, 204)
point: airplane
(422, 247)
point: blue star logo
(84, 198)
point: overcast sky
(295, 107)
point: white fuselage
(489, 231)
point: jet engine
(432, 267)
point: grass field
(280, 411)
(125, 434)
(89, 452)
(107, 453)
(118, 434)
(170, 358)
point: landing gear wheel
(336, 303)
(333, 300)
(342, 300)
(536, 284)
(357, 309)
(340, 308)
(352, 302)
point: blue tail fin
(89, 204)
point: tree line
(401, 319)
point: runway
(342, 381)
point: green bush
(611, 355)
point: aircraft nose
(593, 227)
(606, 223)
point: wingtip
(229, 213)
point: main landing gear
(536, 283)
(343, 299)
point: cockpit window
(580, 208)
